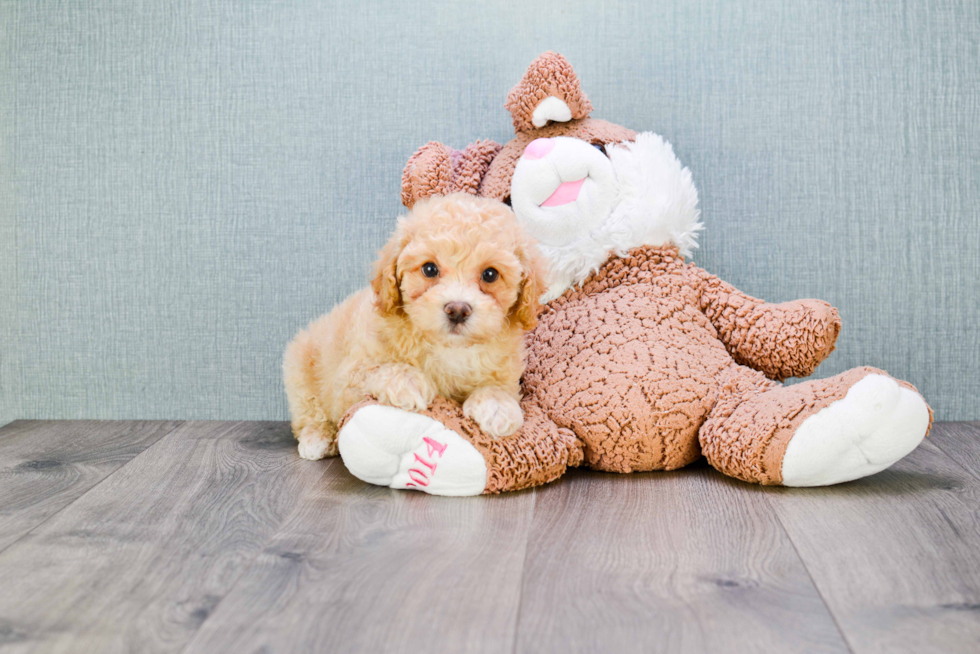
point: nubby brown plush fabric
(651, 362)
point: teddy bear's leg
(441, 452)
(817, 433)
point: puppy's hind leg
(316, 433)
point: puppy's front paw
(315, 445)
(406, 388)
(496, 411)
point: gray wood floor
(215, 537)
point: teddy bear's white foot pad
(877, 423)
(391, 447)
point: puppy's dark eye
(490, 275)
(600, 147)
(430, 269)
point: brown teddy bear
(640, 361)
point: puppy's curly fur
(452, 294)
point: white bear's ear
(549, 91)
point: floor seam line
(939, 447)
(176, 426)
(520, 596)
(813, 582)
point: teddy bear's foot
(391, 447)
(816, 433)
(874, 425)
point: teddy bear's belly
(633, 377)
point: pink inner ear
(565, 193)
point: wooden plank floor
(215, 537)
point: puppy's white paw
(497, 412)
(314, 446)
(404, 387)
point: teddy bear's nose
(538, 148)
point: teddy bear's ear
(550, 90)
(472, 163)
(428, 172)
(435, 169)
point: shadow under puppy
(453, 292)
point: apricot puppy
(452, 294)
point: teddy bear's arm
(781, 340)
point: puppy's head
(461, 269)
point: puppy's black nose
(458, 312)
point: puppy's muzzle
(458, 312)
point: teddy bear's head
(585, 188)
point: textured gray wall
(185, 184)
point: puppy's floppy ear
(384, 283)
(534, 270)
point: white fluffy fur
(656, 203)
